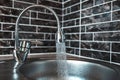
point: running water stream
(61, 62)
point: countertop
(8, 72)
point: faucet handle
(24, 49)
(21, 53)
(24, 45)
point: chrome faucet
(22, 48)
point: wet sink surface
(77, 70)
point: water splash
(61, 62)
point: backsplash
(37, 25)
(92, 28)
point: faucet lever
(22, 52)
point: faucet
(22, 48)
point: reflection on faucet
(17, 65)
(15, 69)
(15, 75)
(22, 48)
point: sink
(77, 70)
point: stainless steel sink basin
(77, 70)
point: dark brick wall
(92, 28)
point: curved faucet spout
(59, 36)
